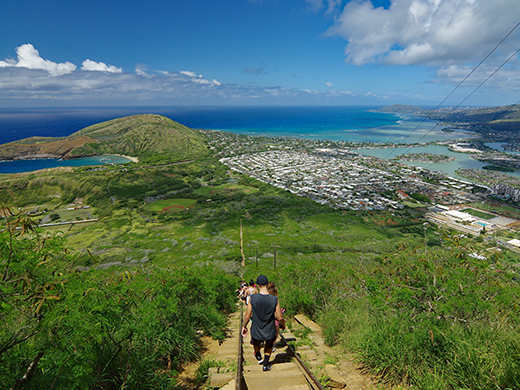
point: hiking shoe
(258, 358)
(267, 368)
(274, 349)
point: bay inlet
(19, 166)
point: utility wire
(491, 120)
(457, 87)
(472, 92)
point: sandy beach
(133, 159)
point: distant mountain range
(460, 114)
(140, 136)
(499, 123)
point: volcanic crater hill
(140, 136)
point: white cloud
(28, 57)
(197, 79)
(32, 78)
(152, 86)
(200, 81)
(141, 70)
(505, 80)
(188, 73)
(425, 32)
(7, 62)
(99, 66)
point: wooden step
(286, 376)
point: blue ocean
(355, 124)
(359, 124)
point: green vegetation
(478, 213)
(122, 302)
(498, 207)
(498, 168)
(420, 197)
(152, 138)
(413, 205)
(225, 189)
(491, 123)
(204, 366)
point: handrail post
(238, 377)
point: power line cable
(457, 87)
(507, 109)
(472, 92)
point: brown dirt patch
(174, 206)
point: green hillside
(477, 115)
(142, 136)
(151, 138)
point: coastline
(36, 164)
(133, 159)
(54, 157)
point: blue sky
(256, 52)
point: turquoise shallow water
(498, 146)
(354, 124)
(34, 165)
(462, 160)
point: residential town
(345, 179)
(348, 180)
(334, 173)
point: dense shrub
(102, 329)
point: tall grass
(441, 321)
